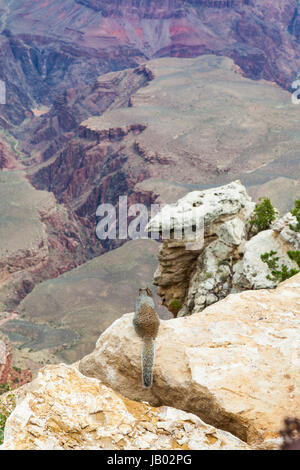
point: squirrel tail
(148, 361)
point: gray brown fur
(146, 324)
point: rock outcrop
(227, 259)
(64, 410)
(235, 365)
(251, 272)
(195, 275)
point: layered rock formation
(4, 361)
(259, 36)
(63, 410)
(42, 136)
(52, 85)
(57, 67)
(168, 132)
(235, 365)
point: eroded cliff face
(50, 47)
(81, 167)
(51, 128)
(151, 132)
(259, 36)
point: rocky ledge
(62, 409)
(231, 372)
(235, 364)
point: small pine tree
(264, 215)
(294, 256)
(296, 213)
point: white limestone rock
(235, 365)
(64, 410)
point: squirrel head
(145, 291)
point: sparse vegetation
(296, 212)
(4, 388)
(280, 273)
(224, 277)
(6, 408)
(264, 215)
(207, 275)
(176, 305)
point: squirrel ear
(149, 292)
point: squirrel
(146, 324)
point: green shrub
(280, 273)
(296, 213)
(264, 215)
